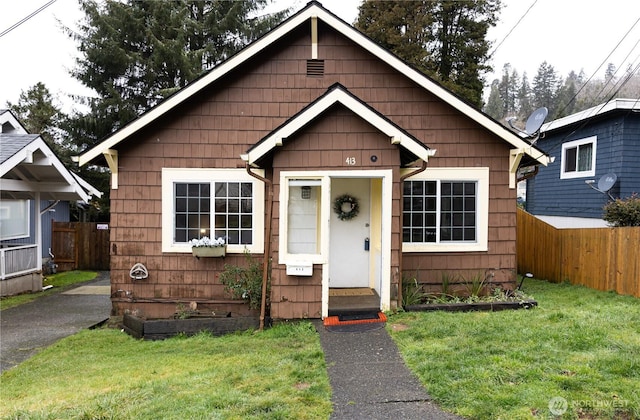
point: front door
(349, 238)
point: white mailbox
(300, 269)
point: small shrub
(244, 282)
(623, 212)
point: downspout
(402, 178)
(267, 245)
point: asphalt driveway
(27, 328)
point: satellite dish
(535, 121)
(607, 181)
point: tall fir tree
(495, 104)
(545, 87)
(524, 99)
(509, 85)
(135, 53)
(443, 38)
(39, 111)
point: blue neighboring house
(592, 148)
(35, 190)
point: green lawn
(579, 344)
(59, 281)
(276, 374)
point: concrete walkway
(28, 328)
(369, 378)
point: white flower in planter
(206, 241)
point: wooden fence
(601, 258)
(80, 246)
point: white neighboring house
(29, 171)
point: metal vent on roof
(315, 68)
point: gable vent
(315, 68)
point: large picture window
(444, 208)
(212, 203)
(579, 158)
(439, 211)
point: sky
(568, 34)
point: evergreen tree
(524, 99)
(495, 104)
(545, 87)
(509, 91)
(38, 111)
(566, 97)
(443, 38)
(135, 53)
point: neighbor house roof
(312, 10)
(10, 124)
(598, 110)
(29, 166)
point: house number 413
(350, 161)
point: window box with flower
(206, 247)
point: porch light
(305, 192)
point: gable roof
(334, 95)
(617, 104)
(312, 10)
(28, 165)
(9, 123)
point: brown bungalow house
(263, 149)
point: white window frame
(23, 208)
(317, 179)
(478, 175)
(593, 140)
(171, 176)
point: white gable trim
(72, 183)
(337, 95)
(7, 117)
(314, 10)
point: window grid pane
(419, 211)
(234, 212)
(192, 202)
(231, 213)
(584, 157)
(456, 213)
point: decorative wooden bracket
(515, 156)
(111, 156)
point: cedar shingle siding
(223, 121)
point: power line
(514, 27)
(601, 64)
(21, 21)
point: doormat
(370, 318)
(351, 291)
